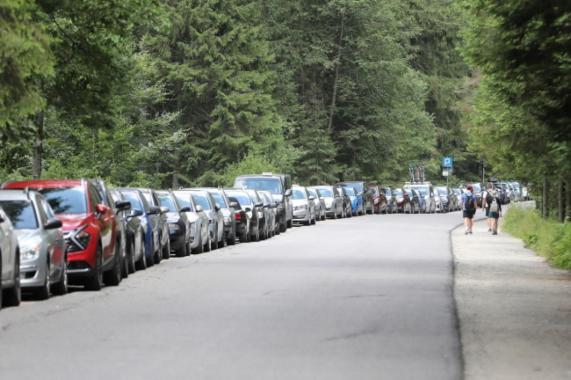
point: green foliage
(25, 61)
(546, 237)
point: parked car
(270, 208)
(319, 203)
(379, 198)
(391, 201)
(42, 247)
(10, 291)
(425, 191)
(135, 240)
(179, 225)
(447, 199)
(160, 224)
(243, 213)
(361, 191)
(258, 215)
(303, 206)
(89, 229)
(414, 200)
(402, 200)
(228, 214)
(199, 223)
(333, 200)
(458, 195)
(357, 205)
(347, 205)
(277, 184)
(216, 220)
(142, 210)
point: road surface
(360, 298)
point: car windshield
(423, 190)
(388, 192)
(21, 214)
(457, 191)
(442, 191)
(242, 198)
(357, 185)
(66, 200)
(201, 200)
(166, 201)
(298, 194)
(350, 192)
(183, 200)
(325, 192)
(312, 193)
(273, 185)
(149, 197)
(397, 192)
(218, 198)
(134, 200)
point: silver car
(332, 199)
(42, 248)
(426, 191)
(270, 209)
(303, 206)
(199, 226)
(319, 203)
(10, 293)
(205, 200)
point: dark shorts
(487, 213)
(468, 213)
(494, 215)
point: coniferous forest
(168, 93)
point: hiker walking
(485, 208)
(493, 210)
(468, 208)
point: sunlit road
(361, 298)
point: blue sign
(447, 162)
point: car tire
(113, 276)
(95, 281)
(289, 223)
(44, 292)
(182, 251)
(60, 287)
(131, 265)
(13, 296)
(142, 263)
(167, 250)
(231, 239)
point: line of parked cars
(56, 233)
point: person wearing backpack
(489, 189)
(468, 208)
(493, 210)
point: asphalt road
(361, 298)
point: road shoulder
(514, 309)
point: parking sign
(447, 162)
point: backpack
(469, 202)
(494, 207)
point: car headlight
(78, 239)
(30, 252)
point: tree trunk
(545, 198)
(38, 149)
(336, 77)
(568, 201)
(561, 201)
(175, 183)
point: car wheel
(182, 251)
(142, 264)
(60, 287)
(231, 239)
(131, 262)
(13, 296)
(95, 281)
(43, 293)
(158, 256)
(289, 223)
(113, 276)
(167, 250)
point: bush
(546, 237)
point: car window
(184, 200)
(242, 198)
(21, 213)
(165, 200)
(350, 192)
(135, 201)
(218, 198)
(47, 209)
(94, 196)
(325, 192)
(299, 194)
(202, 200)
(312, 193)
(273, 185)
(66, 200)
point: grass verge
(546, 237)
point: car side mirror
(153, 210)
(234, 205)
(135, 212)
(122, 205)
(52, 224)
(199, 209)
(185, 209)
(288, 193)
(164, 210)
(101, 209)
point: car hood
(173, 217)
(278, 197)
(72, 221)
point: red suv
(89, 226)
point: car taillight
(238, 216)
